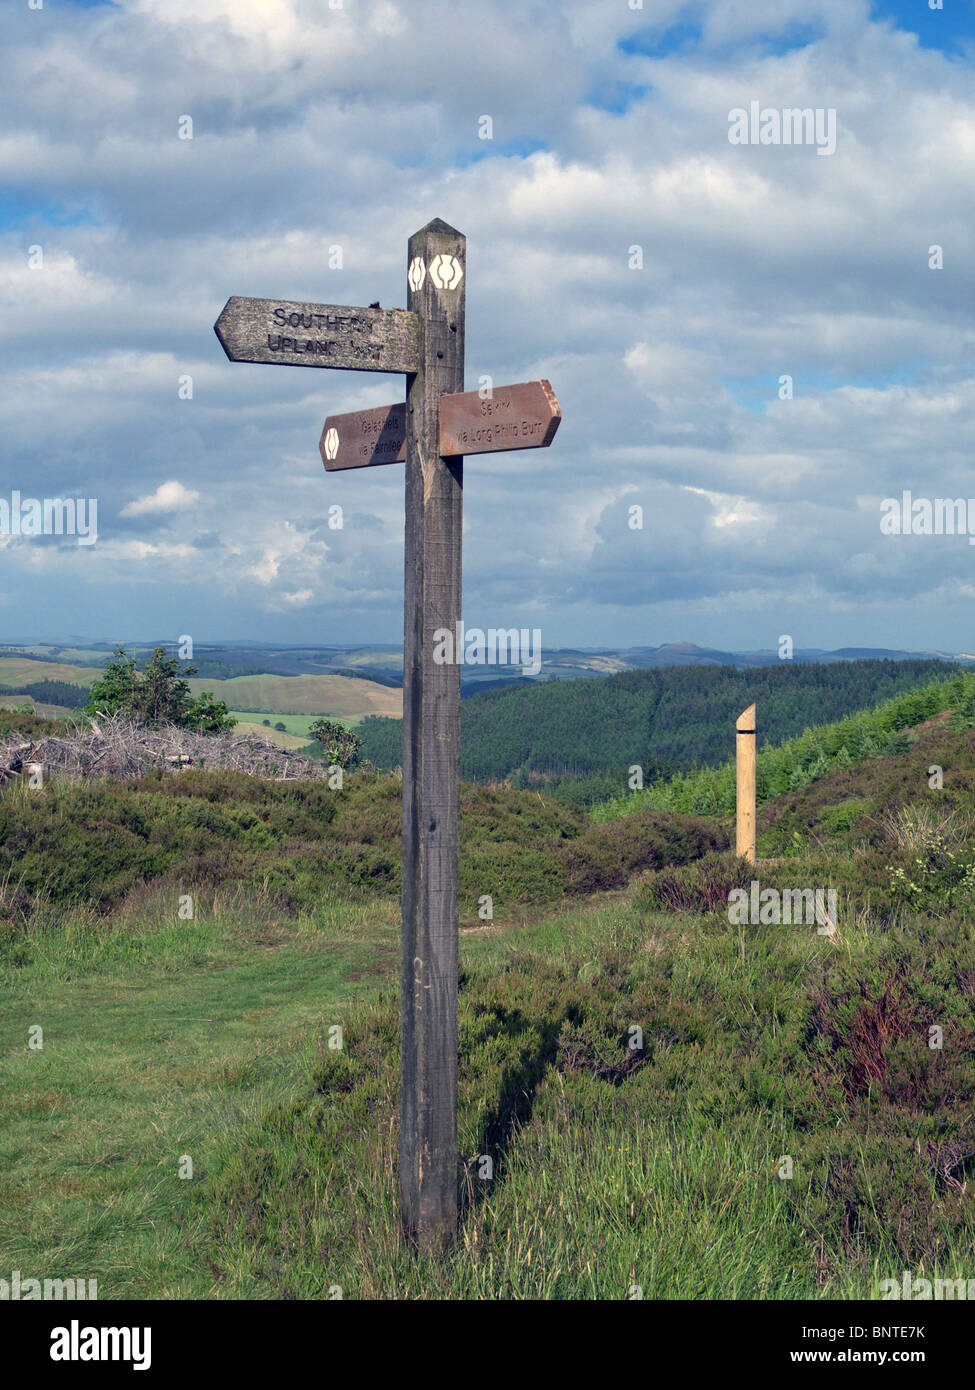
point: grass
(161, 1038)
(613, 1168)
(297, 724)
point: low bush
(95, 842)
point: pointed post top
(440, 227)
(746, 721)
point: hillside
(657, 1167)
(797, 762)
(880, 831)
(344, 697)
(335, 695)
(579, 739)
(862, 806)
(18, 671)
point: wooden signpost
(437, 424)
(745, 766)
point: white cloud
(168, 497)
(354, 126)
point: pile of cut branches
(103, 746)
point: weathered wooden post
(745, 751)
(431, 750)
(436, 426)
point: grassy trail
(161, 1039)
(156, 1045)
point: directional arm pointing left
(295, 334)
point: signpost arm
(431, 750)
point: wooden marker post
(431, 752)
(745, 749)
(438, 423)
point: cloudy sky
(353, 126)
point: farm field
(296, 725)
(251, 724)
(342, 696)
(23, 670)
(81, 656)
(40, 708)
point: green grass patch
(161, 1037)
(298, 724)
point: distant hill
(580, 738)
(50, 692)
(384, 664)
(688, 654)
(18, 671)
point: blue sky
(948, 29)
(353, 126)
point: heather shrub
(98, 841)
